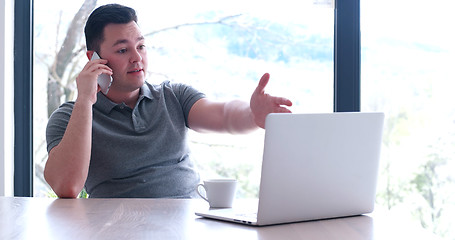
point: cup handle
(197, 190)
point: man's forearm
(67, 166)
(238, 117)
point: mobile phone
(104, 80)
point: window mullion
(347, 56)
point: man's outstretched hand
(262, 104)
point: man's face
(124, 48)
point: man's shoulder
(168, 87)
(65, 108)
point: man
(131, 142)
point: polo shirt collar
(145, 92)
(105, 105)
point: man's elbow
(64, 190)
(67, 191)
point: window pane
(221, 49)
(407, 57)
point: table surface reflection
(42, 218)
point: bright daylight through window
(407, 60)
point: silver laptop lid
(319, 166)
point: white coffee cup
(220, 193)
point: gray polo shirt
(140, 152)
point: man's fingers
(263, 82)
(283, 101)
(283, 110)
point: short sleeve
(187, 96)
(57, 124)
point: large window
(407, 60)
(220, 48)
(407, 54)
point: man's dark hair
(102, 16)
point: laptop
(315, 166)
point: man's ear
(89, 54)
